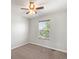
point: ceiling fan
(32, 9)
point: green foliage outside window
(44, 33)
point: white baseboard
(49, 47)
(40, 45)
(19, 45)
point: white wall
(19, 28)
(26, 31)
(58, 30)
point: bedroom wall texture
(19, 28)
(58, 31)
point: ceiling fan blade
(27, 12)
(40, 8)
(24, 8)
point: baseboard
(42, 46)
(19, 45)
(50, 47)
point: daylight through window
(44, 29)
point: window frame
(46, 38)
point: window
(44, 29)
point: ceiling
(49, 5)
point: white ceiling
(49, 5)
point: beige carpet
(31, 51)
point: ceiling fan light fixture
(31, 12)
(32, 5)
(32, 8)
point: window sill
(44, 38)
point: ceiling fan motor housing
(32, 6)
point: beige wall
(58, 38)
(19, 28)
(26, 31)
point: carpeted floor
(30, 51)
